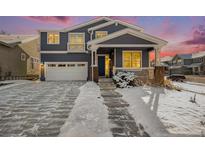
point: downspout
(91, 37)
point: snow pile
(124, 79)
(89, 117)
(160, 110)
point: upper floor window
(100, 34)
(179, 61)
(76, 41)
(53, 38)
(23, 56)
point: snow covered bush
(124, 79)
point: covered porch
(126, 50)
(107, 61)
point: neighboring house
(198, 65)
(19, 55)
(97, 48)
(167, 63)
(181, 64)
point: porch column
(92, 62)
(157, 56)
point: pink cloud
(52, 19)
(198, 36)
(168, 30)
(131, 20)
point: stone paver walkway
(124, 123)
(36, 109)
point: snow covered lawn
(191, 86)
(89, 116)
(161, 111)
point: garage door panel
(67, 71)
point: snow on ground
(140, 108)
(14, 83)
(89, 117)
(191, 86)
(159, 108)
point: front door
(101, 65)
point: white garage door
(66, 71)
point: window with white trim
(76, 41)
(23, 57)
(132, 59)
(100, 34)
(53, 38)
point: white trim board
(62, 52)
(131, 32)
(125, 45)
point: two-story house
(181, 64)
(97, 48)
(198, 65)
(23, 54)
(167, 63)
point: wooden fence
(195, 78)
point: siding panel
(127, 39)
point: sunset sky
(184, 34)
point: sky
(185, 34)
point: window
(61, 65)
(100, 34)
(51, 65)
(71, 65)
(53, 38)
(32, 63)
(132, 59)
(76, 41)
(179, 61)
(81, 65)
(23, 56)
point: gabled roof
(21, 41)
(166, 59)
(117, 22)
(185, 56)
(16, 39)
(198, 54)
(79, 25)
(131, 32)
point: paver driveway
(37, 108)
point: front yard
(78, 109)
(163, 111)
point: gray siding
(62, 46)
(127, 39)
(10, 61)
(110, 29)
(73, 57)
(187, 61)
(64, 38)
